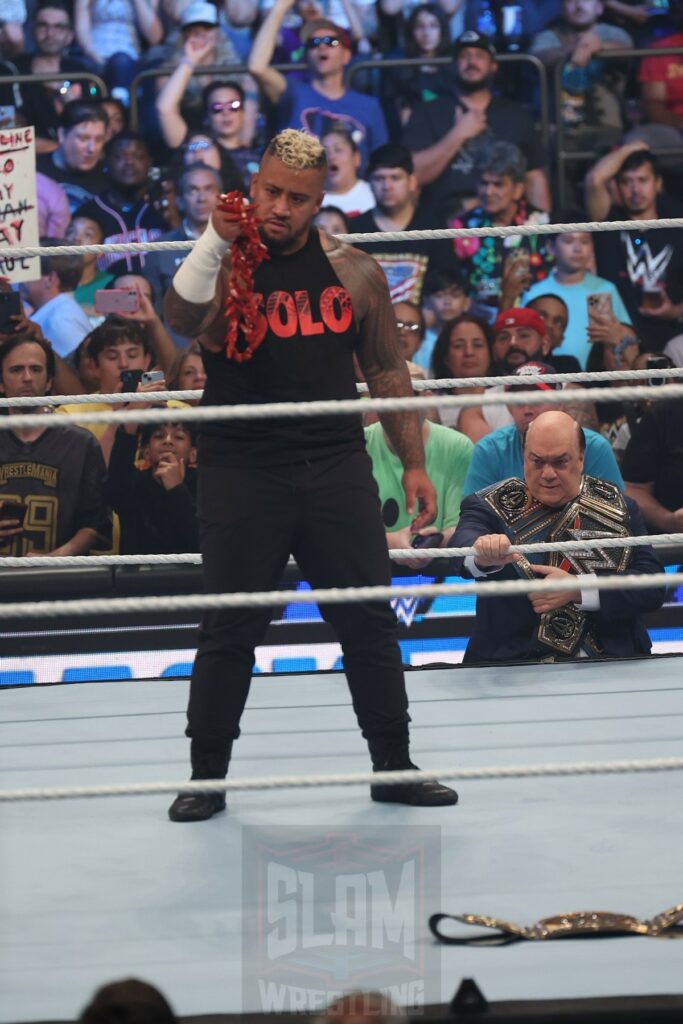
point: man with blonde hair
(300, 486)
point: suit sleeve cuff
(590, 595)
(475, 571)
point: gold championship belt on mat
(599, 510)
(581, 924)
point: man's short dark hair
(69, 269)
(439, 279)
(548, 295)
(8, 346)
(192, 169)
(640, 158)
(125, 137)
(212, 87)
(114, 331)
(390, 155)
(79, 111)
(57, 5)
(147, 429)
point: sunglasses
(195, 147)
(218, 108)
(407, 327)
(315, 41)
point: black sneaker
(196, 806)
(206, 764)
(418, 794)
(392, 755)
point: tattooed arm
(385, 370)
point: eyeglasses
(218, 108)
(45, 26)
(315, 41)
(407, 327)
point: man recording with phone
(51, 478)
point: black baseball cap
(475, 39)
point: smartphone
(600, 306)
(430, 540)
(116, 300)
(152, 376)
(13, 510)
(657, 363)
(10, 305)
(130, 379)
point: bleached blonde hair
(297, 149)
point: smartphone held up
(116, 300)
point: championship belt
(579, 924)
(599, 510)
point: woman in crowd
(462, 349)
(187, 372)
(428, 35)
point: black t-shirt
(406, 263)
(79, 186)
(631, 259)
(507, 121)
(153, 520)
(60, 476)
(305, 355)
(655, 453)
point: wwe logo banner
(327, 913)
(406, 608)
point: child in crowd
(444, 297)
(574, 283)
(152, 487)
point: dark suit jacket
(504, 627)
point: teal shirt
(498, 456)
(576, 341)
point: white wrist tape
(195, 278)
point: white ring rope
(372, 236)
(344, 407)
(446, 383)
(332, 595)
(396, 554)
(269, 782)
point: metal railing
(504, 58)
(217, 70)
(233, 70)
(565, 156)
(65, 76)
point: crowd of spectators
(457, 143)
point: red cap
(520, 317)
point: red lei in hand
(241, 308)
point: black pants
(327, 514)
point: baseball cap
(475, 39)
(321, 25)
(520, 316)
(199, 13)
(533, 369)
